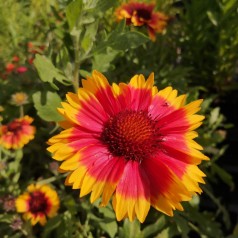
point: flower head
(10, 67)
(15, 58)
(130, 142)
(38, 203)
(17, 133)
(21, 69)
(19, 99)
(142, 14)
(9, 203)
(16, 223)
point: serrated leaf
(109, 226)
(52, 224)
(154, 228)
(104, 5)
(89, 36)
(48, 110)
(73, 11)
(102, 61)
(99, 5)
(108, 223)
(127, 40)
(226, 177)
(130, 229)
(182, 225)
(122, 41)
(48, 72)
(107, 212)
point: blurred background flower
(19, 99)
(17, 133)
(143, 14)
(38, 203)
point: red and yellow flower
(142, 14)
(17, 133)
(38, 203)
(130, 142)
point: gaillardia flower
(19, 99)
(38, 203)
(142, 14)
(17, 133)
(130, 142)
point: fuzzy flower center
(38, 202)
(14, 126)
(143, 14)
(131, 134)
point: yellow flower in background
(130, 142)
(17, 133)
(143, 14)
(38, 203)
(19, 99)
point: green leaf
(226, 177)
(84, 73)
(127, 40)
(48, 72)
(214, 115)
(195, 201)
(104, 5)
(229, 4)
(130, 229)
(109, 226)
(99, 5)
(89, 36)
(47, 111)
(108, 222)
(212, 18)
(6, 218)
(70, 204)
(122, 41)
(73, 11)
(204, 221)
(18, 154)
(102, 61)
(154, 228)
(52, 224)
(182, 225)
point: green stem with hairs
(75, 81)
(21, 111)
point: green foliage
(48, 110)
(48, 73)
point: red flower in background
(17, 133)
(15, 58)
(142, 14)
(9, 67)
(34, 49)
(21, 69)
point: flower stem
(28, 230)
(21, 111)
(75, 81)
